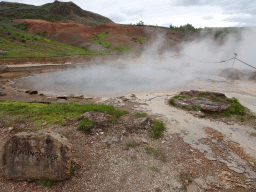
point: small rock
(101, 133)
(2, 94)
(163, 142)
(41, 94)
(31, 92)
(43, 124)
(192, 187)
(144, 140)
(10, 128)
(126, 147)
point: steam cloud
(153, 70)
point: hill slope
(56, 11)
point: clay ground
(195, 154)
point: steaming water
(96, 80)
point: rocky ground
(195, 154)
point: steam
(153, 70)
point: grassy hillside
(20, 44)
(56, 11)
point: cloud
(132, 12)
(208, 17)
(117, 18)
(229, 7)
(242, 20)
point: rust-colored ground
(78, 34)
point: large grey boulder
(30, 156)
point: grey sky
(199, 13)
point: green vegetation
(56, 11)
(130, 144)
(236, 108)
(154, 169)
(186, 28)
(157, 129)
(141, 114)
(85, 125)
(185, 179)
(54, 113)
(73, 168)
(141, 40)
(21, 44)
(123, 49)
(47, 182)
(156, 153)
(101, 36)
(113, 119)
(172, 101)
(140, 23)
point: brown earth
(78, 35)
(170, 165)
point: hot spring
(108, 79)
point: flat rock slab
(30, 156)
(205, 103)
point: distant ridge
(56, 11)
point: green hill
(18, 43)
(56, 11)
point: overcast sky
(199, 13)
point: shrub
(235, 109)
(140, 23)
(85, 125)
(172, 101)
(157, 129)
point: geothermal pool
(112, 79)
(101, 79)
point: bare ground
(195, 154)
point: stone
(205, 103)
(2, 94)
(31, 156)
(139, 123)
(192, 187)
(99, 119)
(3, 68)
(31, 92)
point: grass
(157, 129)
(141, 114)
(130, 144)
(113, 119)
(101, 36)
(156, 153)
(47, 182)
(54, 113)
(21, 44)
(236, 109)
(122, 49)
(73, 168)
(142, 40)
(85, 125)
(152, 168)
